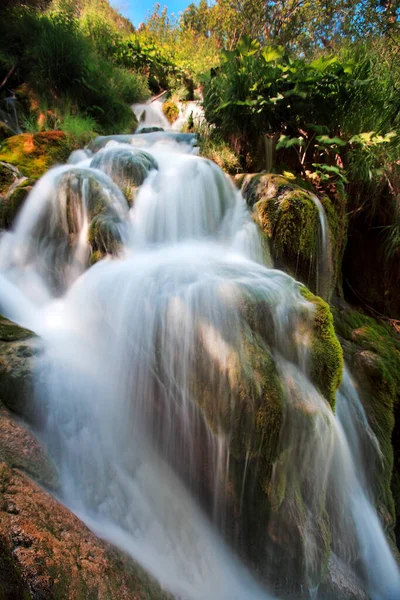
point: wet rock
(21, 450)
(105, 235)
(13, 198)
(17, 348)
(127, 167)
(341, 583)
(289, 217)
(149, 129)
(246, 401)
(46, 552)
(372, 352)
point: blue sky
(137, 10)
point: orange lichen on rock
(34, 153)
(47, 552)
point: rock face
(290, 218)
(46, 552)
(372, 352)
(17, 347)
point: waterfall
(150, 115)
(163, 326)
(324, 264)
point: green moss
(326, 355)
(336, 212)
(104, 234)
(96, 256)
(34, 154)
(287, 214)
(10, 332)
(292, 222)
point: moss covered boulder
(35, 153)
(246, 394)
(9, 174)
(105, 235)
(372, 352)
(305, 232)
(127, 167)
(17, 349)
(84, 191)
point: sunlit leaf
(270, 54)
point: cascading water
(171, 370)
(151, 115)
(324, 266)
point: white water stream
(131, 340)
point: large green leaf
(270, 54)
(286, 142)
(325, 140)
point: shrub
(171, 111)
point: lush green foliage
(63, 70)
(262, 90)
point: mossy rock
(8, 176)
(104, 236)
(128, 168)
(17, 349)
(326, 355)
(289, 217)
(247, 403)
(11, 204)
(79, 186)
(372, 351)
(35, 153)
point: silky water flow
(144, 358)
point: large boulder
(127, 167)
(306, 233)
(246, 398)
(17, 348)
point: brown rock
(46, 552)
